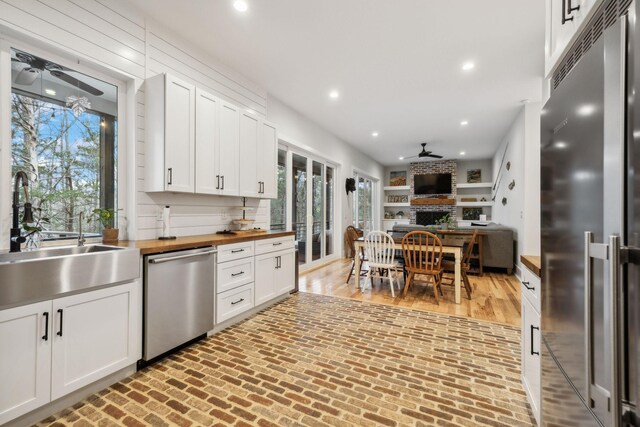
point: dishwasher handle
(177, 257)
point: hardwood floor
(495, 297)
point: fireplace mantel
(417, 202)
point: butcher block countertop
(148, 247)
(532, 263)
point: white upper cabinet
(249, 140)
(207, 143)
(198, 143)
(564, 21)
(170, 134)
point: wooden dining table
(449, 246)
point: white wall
(299, 130)
(485, 166)
(115, 39)
(522, 210)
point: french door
(309, 204)
(363, 203)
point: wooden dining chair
(378, 248)
(352, 234)
(422, 253)
(465, 263)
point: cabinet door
(25, 359)
(265, 288)
(94, 335)
(285, 279)
(268, 160)
(179, 135)
(229, 149)
(207, 144)
(531, 355)
(249, 137)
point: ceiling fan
(36, 66)
(424, 153)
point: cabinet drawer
(236, 301)
(235, 251)
(531, 288)
(531, 343)
(232, 274)
(272, 245)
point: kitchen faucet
(16, 236)
(81, 238)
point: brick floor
(321, 361)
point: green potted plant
(446, 222)
(34, 230)
(105, 217)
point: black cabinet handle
(46, 326)
(218, 185)
(60, 330)
(236, 302)
(526, 285)
(222, 176)
(277, 244)
(537, 353)
(237, 250)
(567, 9)
(237, 274)
(170, 176)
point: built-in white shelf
(397, 205)
(475, 185)
(397, 188)
(474, 204)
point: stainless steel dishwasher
(179, 289)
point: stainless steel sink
(27, 277)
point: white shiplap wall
(114, 37)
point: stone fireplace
(428, 214)
(429, 218)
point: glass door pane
(299, 204)
(317, 236)
(279, 205)
(329, 211)
(368, 200)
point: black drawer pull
(218, 178)
(237, 250)
(222, 176)
(59, 333)
(46, 326)
(237, 274)
(526, 285)
(170, 176)
(277, 244)
(537, 353)
(236, 302)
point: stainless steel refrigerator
(590, 221)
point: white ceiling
(396, 63)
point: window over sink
(64, 131)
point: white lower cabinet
(531, 342)
(51, 348)
(275, 274)
(25, 359)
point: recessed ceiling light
(334, 94)
(468, 66)
(240, 5)
(400, 158)
(374, 134)
(462, 153)
(560, 144)
(464, 123)
(586, 110)
(50, 92)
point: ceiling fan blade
(27, 76)
(75, 82)
(435, 156)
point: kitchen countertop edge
(533, 263)
(156, 246)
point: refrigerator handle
(614, 280)
(588, 286)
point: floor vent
(605, 16)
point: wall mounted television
(432, 183)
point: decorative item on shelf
(350, 185)
(483, 217)
(471, 214)
(469, 199)
(404, 199)
(399, 215)
(484, 199)
(474, 176)
(446, 222)
(388, 215)
(398, 178)
(166, 224)
(105, 216)
(512, 184)
(504, 201)
(508, 166)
